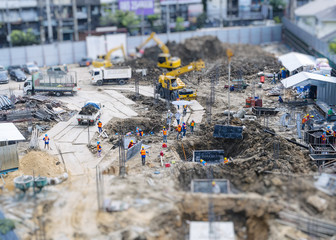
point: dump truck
(54, 85)
(164, 58)
(90, 113)
(172, 87)
(119, 75)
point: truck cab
(28, 86)
(97, 76)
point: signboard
(210, 156)
(230, 132)
(174, 2)
(205, 185)
(140, 7)
(133, 151)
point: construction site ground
(156, 202)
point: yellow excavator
(172, 87)
(164, 58)
(105, 61)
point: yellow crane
(105, 61)
(171, 86)
(164, 58)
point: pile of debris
(5, 103)
(88, 110)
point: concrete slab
(196, 106)
(83, 136)
(72, 164)
(120, 97)
(143, 90)
(221, 231)
(72, 134)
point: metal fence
(313, 42)
(245, 35)
(9, 157)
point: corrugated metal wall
(9, 157)
(326, 92)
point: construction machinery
(105, 61)
(172, 87)
(164, 58)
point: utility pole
(142, 22)
(89, 18)
(75, 22)
(9, 27)
(50, 30)
(168, 18)
(229, 54)
(221, 13)
(42, 33)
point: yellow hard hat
(201, 160)
(143, 147)
(164, 127)
(225, 158)
(213, 183)
(312, 116)
(131, 140)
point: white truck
(90, 113)
(120, 75)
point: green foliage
(20, 38)
(6, 225)
(121, 19)
(278, 5)
(152, 18)
(179, 24)
(200, 21)
(332, 47)
(277, 19)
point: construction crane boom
(107, 59)
(193, 66)
(161, 45)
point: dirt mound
(255, 154)
(88, 110)
(159, 107)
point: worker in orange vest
(46, 141)
(100, 126)
(143, 156)
(141, 133)
(324, 138)
(192, 126)
(304, 120)
(329, 131)
(226, 160)
(164, 134)
(179, 131)
(131, 144)
(99, 149)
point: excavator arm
(193, 66)
(161, 45)
(108, 55)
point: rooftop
(8, 132)
(315, 7)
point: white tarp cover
(221, 231)
(305, 78)
(8, 132)
(294, 60)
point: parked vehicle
(85, 62)
(90, 113)
(120, 75)
(3, 69)
(4, 77)
(17, 75)
(56, 71)
(53, 85)
(13, 67)
(30, 68)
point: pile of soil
(158, 107)
(253, 155)
(88, 110)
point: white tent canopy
(305, 78)
(294, 60)
(8, 132)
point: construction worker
(131, 144)
(46, 140)
(329, 131)
(179, 131)
(192, 126)
(141, 133)
(100, 126)
(280, 99)
(330, 113)
(184, 110)
(178, 117)
(204, 163)
(99, 149)
(273, 81)
(143, 156)
(169, 118)
(323, 138)
(226, 160)
(184, 129)
(215, 188)
(164, 134)
(304, 120)
(137, 131)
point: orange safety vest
(179, 128)
(304, 120)
(46, 139)
(165, 132)
(130, 144)
(192, 123)
(323, 138)
(334, 133)
(226, 160)
(100, 124)
(98, 147)
(143, 152)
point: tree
(200, 21)
(20, 38)
(332, 47)
(278, 5)
(121, 19)
(151, 19)
(179, 24)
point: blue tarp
(93, 104)
(9, 235)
